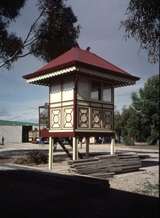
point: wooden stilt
(75, 149)
(50, 158)
(112, 151)
(87, 146)
(80, 142)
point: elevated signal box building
(81, 94)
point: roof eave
(50, 70)
(124, 75)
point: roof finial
(88, 48)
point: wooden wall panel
(55, 118)
(67, 118)
(94, 118)
(83, 117)
(61, 118)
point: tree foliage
(57, 32)
(10, 44)
(143, 24)
(53, 32)
(140, 122)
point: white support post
(80, 142)
(50, 156)
(75, 149)
(112, 151)
(87, 146)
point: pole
(112, 146)
(87, 146)
(75, 149)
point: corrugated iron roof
(79, 56)
(16, 123)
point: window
(101, 92)
(96, 91)
(107, 94)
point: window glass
(107, 94)
(96, 91)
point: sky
(100, 30)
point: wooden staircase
(66, 141)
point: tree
(53, 32)
(146, 104)
(143, 24)
(10, 44)
(127, 125)
(140, 122)
(57, 32)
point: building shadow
(26, 193)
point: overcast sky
(100, 22)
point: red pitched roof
(79, 56)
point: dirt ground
(145, 181)
(33, 191)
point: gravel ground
(145, 181)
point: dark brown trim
(93, 134)
(49, 108)
(39, 120)
(59, 102)
(75, 102)
(61, 112)
(113, 110)
(79, 134)
(94, 102)
(66, 106)
(62, 134)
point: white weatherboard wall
(62, 92)
(61, 105)
(55, 95)
(12, 134)
(68, 91)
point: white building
(15, 131)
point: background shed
(15, 131)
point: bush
(153, 139)
(33, 157)
(38, 157)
